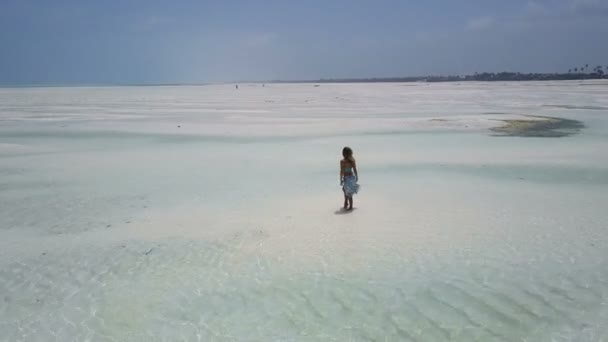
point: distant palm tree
(575, 69)
(569, 70)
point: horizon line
(376, 79)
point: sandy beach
(207, 213)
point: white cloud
(480, 23)
(565, 9)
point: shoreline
(415, 79)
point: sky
(154, 41)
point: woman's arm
(341, 172)
(355, 170)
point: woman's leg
(350, 202)
(345, 201)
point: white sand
(115, 224)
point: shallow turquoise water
(118, 225)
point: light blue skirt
(350, 186)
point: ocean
(209, 213)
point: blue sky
(153, 41)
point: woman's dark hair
(347, 153)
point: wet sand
(202, 213)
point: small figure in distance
(348, 177)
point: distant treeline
(598, 73)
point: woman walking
(348, 177)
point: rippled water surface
(209, 213)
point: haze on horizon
(123, 42)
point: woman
(348, 177)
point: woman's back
(348, 177)
(347, 165)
